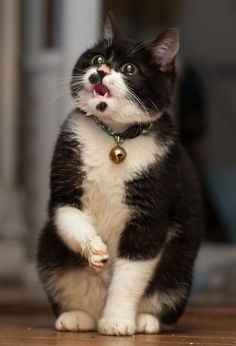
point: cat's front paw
(97, 253)
(116, 326)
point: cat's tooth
(94, 93)
(106, 95)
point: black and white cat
(117, 252)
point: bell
(117, 154)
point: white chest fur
(104, 187)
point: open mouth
(101, 90)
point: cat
(125, 216)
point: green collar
(132, 132)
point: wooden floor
(199, 326)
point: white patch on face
(123, 106)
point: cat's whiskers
(66, 82)
(133, 97)
(136, 48)
(61, 95)
(76, 83)
(155, 106)
(139, 102)
(66, 90)
(59, 77)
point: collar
(132, 132)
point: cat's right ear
(111, 28)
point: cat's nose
(103, 70)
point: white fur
(81, 290)
(147, 324)
(76, 230)
(129, 281)
(74, 227)
(104, 216)
(124, 107)
(96, 253)
(75, 321)
(116, 326)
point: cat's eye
(98, 60)
(129, 69)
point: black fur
(101, 74)
(101, 106)
(165, 197)
(94, 78)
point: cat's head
(125, 81)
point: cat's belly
(105, 204)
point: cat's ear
(164, 49)
(111, 28)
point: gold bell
(117, 154)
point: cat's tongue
(102, 90)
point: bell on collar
(117, 154)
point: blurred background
(40, 41)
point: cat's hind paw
(147, 324)
(116, 326)
(74, 321)
(97, 253)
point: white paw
(74, 321)
(147, 324)
(97, 253)
(116, 326)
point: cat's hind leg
(147, 324)
(163, 302)
(78, 298)
(160, 311)
(168, 291)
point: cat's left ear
(111, 28)
(164, 49)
